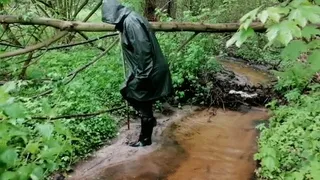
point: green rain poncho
(149, 77)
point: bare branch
(102, 27)
(83, 42)
(187, 41)
(81, 116)
(34, 47)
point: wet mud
(211, 144)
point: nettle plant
(289, 147)
(29, 149)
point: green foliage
(289, 146)
(29, 151)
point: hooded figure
(149, 78)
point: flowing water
(210, 144)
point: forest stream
(191, 143)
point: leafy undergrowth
(289, 146)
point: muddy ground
(193, 142)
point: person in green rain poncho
(148, 78)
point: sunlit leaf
(33, 148)
(263, 16)
(244, 35)
(233, 39)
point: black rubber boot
(147, 125)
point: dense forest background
(55, 99)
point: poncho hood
(113, 12)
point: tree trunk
(156, 26)
(150, 10)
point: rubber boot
(147, 125)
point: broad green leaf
(314, 60)
(317, 2)
(33, 148)
(14, 110)
(250, 15)
(263, 16)
(270, 163)
(310, 31)
(315, 169)
(45, 130)
(293, 50)
(9, 86)
(297, 16)
(311, 13)
(4, 97)
(298, 176)
(9, 157)
(9, 175)
(37, 173)
(272, 32)
(25, 171)
(51, 153)
(233, 39)
(297, 3)
(315, 44)
(244, 35)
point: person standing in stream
(149, 77)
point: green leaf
(33, 148)
(285, 37)
(272, 32)
(9, 86)
(270, 163)
(9, 175)
(9, 157)
(298, 176)
(15, 111)
(263, 16)
(250, 15)
(310, 31)
(315, 44)
(25, 171)
(233, 39)
(311, 13)
(293, 50)
(37, 173)
(45, 130)
(314, 60)
(244, 35)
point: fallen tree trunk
(102, 27)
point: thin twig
(80, 116)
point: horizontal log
(102, 27)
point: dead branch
(187, 41)
(81, 116)
(22, 74)
(34, 47)
(83, 42)
(102, 27)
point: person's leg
(147, 123)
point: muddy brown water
(255, 76)
(205, 144)
(208, 145)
